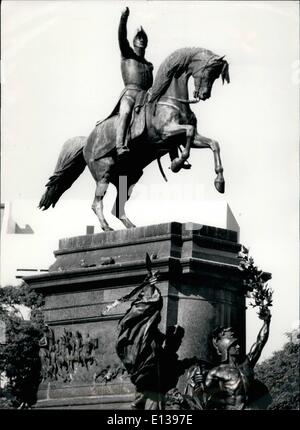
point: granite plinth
(201, 287)
(163, 240)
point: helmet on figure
(140, 39)
(223, 339)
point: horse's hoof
(108, 229)
(127, 223)
(220, 185)
(176, 165)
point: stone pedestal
(200, 283)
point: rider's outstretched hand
(125, 12)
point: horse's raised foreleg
(124, 185)
(175, 154)
(97, 205)
(204, 142)
(173, 130)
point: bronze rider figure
(137, 74)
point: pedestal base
(200, 284)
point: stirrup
(123, 150)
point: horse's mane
(174, 65)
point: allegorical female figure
(139, 344)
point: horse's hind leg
(124, 186)
(97, 205)
(101, 170)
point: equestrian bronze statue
(161, 123)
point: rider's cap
(140, 34)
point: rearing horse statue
(164, 124)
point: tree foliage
(19, 355)
(280, 373)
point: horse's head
(205, 73)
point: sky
(61, 73)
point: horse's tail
(69, 167)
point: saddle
(135, 129)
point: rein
(197, 100)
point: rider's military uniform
(137, 74)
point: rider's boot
(121, 146)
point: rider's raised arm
(125, 48)
(261, 340)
